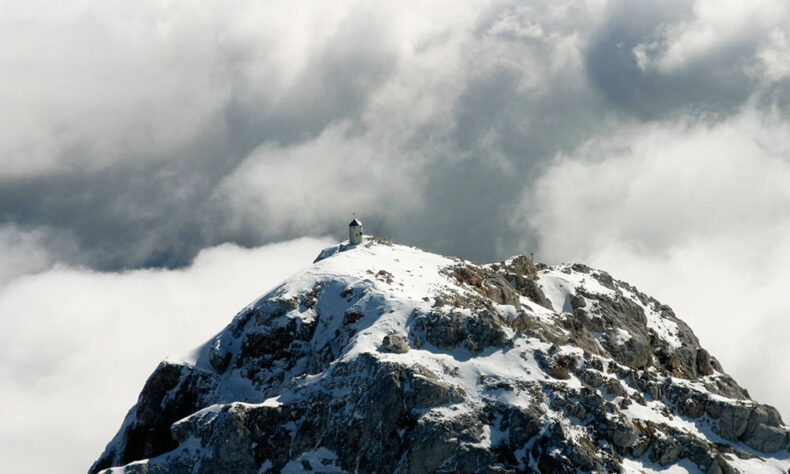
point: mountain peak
(386, 358)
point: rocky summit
(386, 358)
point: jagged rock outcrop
(385, 358)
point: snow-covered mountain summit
(387, 358)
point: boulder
(764, 430)
(733, 418)
(622, 433)
(720, 466)
(524, 423)
(691, 408)
(395, 343)
(664, 450)
(704, 366)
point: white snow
(272, 402)
(665, 328)
(644, 466)
(320, 460)
(560, 282)
(776, 464)
(622, 336)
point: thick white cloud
(78, 345)
(25, 251)
(131, 125)
(774, 57)
(714, 28)
(147, 112)
(87, 84)
(694, 213)
(301, 188)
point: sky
(164, 163)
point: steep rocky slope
(386, 358)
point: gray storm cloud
(146, 132)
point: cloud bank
(79, 344)
(147, 132)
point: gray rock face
(622, 433)
(447, 330)
(328, 375)
(720, 466)
(171, 393)
(704, 365)
(395, 343)
(522, 275)
(764, 430)
(665, 451)
(624, 314)
(733, 419)
(522, 424)
(486, 282)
